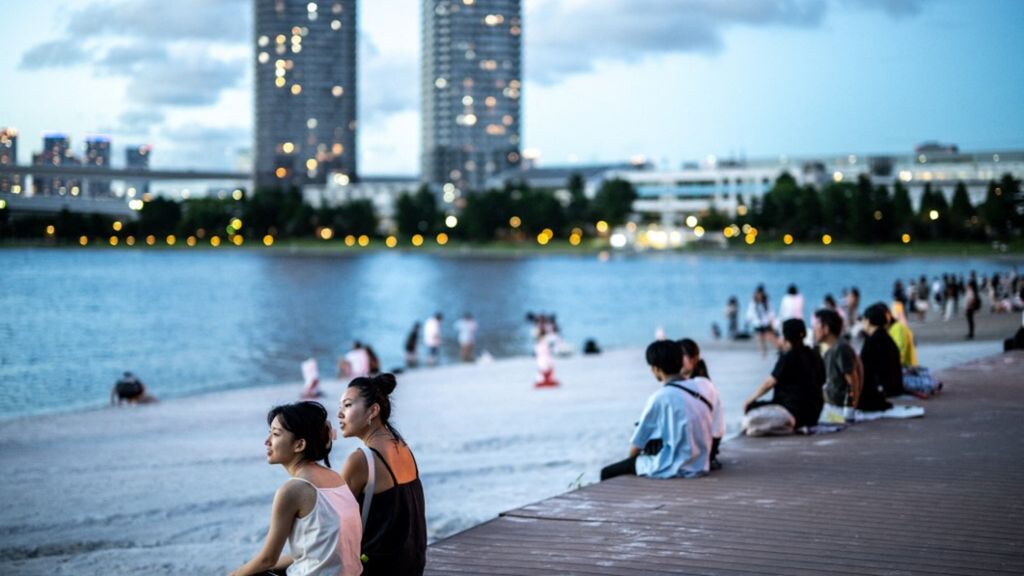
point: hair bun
(385, 382)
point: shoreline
(1012, 254)
(485, 439)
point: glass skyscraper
(305, 58)
(97, 153)
(9, 157)
(471, 89)
(137, 158)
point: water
(189, 322)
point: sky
(605, 80)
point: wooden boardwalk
(939, 495)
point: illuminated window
(263, 41)
(296, 89)
(495, 129)
(507, 120)
(288, 147)
(491, 101)
(280, 39)
(337, 91)
(311, 123)
(311, 7)
(338, 149)
(441, 83)
(263, 57)
(467, 100)
(281, 172)
(493, 19)
(335, 24)
(311, 164)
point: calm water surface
(190, 322)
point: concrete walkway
(939, 495)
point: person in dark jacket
(796, 379)
(883, 375)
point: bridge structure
(27, 203)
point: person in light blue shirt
(673, 437)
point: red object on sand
(546, 379)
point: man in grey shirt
(842, 371)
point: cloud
(565, 37)
(139, 121)
(204, 146)
(53, 54)
(124, 59)
(193, 82)
(225, 21)
(389, 84)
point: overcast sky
(674, 80)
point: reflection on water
(186, 322)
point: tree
(417, 213)
(882, 229)
(861, 212)
(614, 201)
(835, 208)
(578, 211)
(962, 216)
(933, 202)
(902, 210)
(160, 216)
(1000, 207)
(486, 215)
(356, 217)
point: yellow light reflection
(417, 240)
(602, 226)
(364, 240)
(171, 240)
(268, 240)
(391, 242)
(113, 240)
(117, 225)
(215, 241)
(83, 240)
(787, 239)
(905, 238)
(350, 240)
(826, 239)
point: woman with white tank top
(314, 511)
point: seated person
(696, 371)
(917, 380)
(130, 390)
(796, 378)
(883, 375)
(842, 367)
(673, 437)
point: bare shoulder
(295, 491)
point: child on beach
(673, 437)
(385, 479)
(314, 511)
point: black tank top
(395, 535)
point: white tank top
(327, 540)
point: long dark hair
(377, 390)
(308, 421)
(691, 349)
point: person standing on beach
(971, 305)
(355, 363)
(759, 314)
(796, 379)
(673, 437)
(792, 304)
(544, 352)
(385, 480)
(314, 511)
(466, 328)
(732, 312)
(432, 338)
(852, 311)
(411, 341)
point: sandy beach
(183, 487)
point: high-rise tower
(9, 157)
(97, 153)
(305, 90)
(471, 87)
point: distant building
(305, 71)
(383, 191)
(97, 153)
(471, 92)
(137, 158)
(9, 157)
(56, 152)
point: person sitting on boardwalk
(843, 372)
(673, 437)
(314, 510)
(385, 479)
(695, 371)
(917, 380)
(796, 379)
(881, 358)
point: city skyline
(602, 81)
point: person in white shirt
(792, 304)
(355, 363)
(466, 328)
(432, 338)
(314, 510)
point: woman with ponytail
(385, 480)
(313, 511)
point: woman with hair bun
(385, 480)
(313, 511)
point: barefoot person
(385, 479)
(314, 510)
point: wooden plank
(941, 495)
